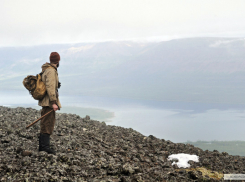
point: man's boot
(44, 143)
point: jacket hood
(47, 65)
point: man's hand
(55, 107)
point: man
(49, 102)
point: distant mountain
(231, 147)
(194, 69)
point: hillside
(89, 150)
(190, 70)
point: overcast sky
(33, 22)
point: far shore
(94, 113)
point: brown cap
(54, 57)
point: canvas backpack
(35, 86)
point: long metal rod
(38, 119)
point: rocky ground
(91, 151)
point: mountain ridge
(168, 70)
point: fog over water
(175, 121)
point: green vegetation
(206, 172)
(231, 147)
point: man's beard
(57, 65)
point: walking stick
(38, 119)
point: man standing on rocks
(49, 102)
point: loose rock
(89, 150)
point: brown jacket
(51, 80)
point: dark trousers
(47, 123)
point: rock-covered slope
(89, 150)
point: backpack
(35, 86)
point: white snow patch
(79, 49)
(183, 159)
(224, 42)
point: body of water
(175, 121)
